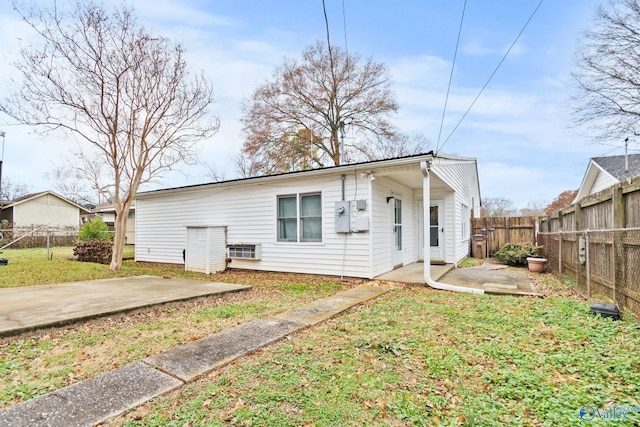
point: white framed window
(465, 223)
(300, 217)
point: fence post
(560, 254)
(618, 248)
(588, 265)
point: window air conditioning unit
(248, 251)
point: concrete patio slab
(36, 307)
(493, 281)
(414, 273)
(90, 402)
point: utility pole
(341, 142)
(626, 155)
(2, 134)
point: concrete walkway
(37, 307)
(90, 402)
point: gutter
(425, 167)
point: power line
(494, 72)
(453, 64)
(344, 24)
(326, 23)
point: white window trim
(465, 213)
(299, 240)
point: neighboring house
(42, 208)
(357, 220)
(605, 172)
(108, 214)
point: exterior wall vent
(245, 251)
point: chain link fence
(602, 264)
(32, 237)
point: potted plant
(523, 254)
(536, 263)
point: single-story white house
(45, 207)
(605, 172)
(356, 220)
(107, 212)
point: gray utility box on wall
(343, 216)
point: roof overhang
(410, 164)
(590, 176)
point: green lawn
(28, 267)
(414, 356)
(422, 357)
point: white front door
(436, 230)
(420, 219)
(397, 233)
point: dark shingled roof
(615, 165)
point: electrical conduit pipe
(425, 166)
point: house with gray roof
(45, 207)
(605, 172)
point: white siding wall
(46, 209)
(461, 177)
(602, 182)
(249, 212)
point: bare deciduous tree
(83, 182)
(294, 120)
(401, 145)
(607, 101)
(11, 191)
(97, 73)
(496, 207)
(533, 208)
(213, 173)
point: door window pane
(397, 211)
(397, 226)
(434, 226)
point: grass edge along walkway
(125, 388)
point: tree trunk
(119, 239)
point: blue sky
(519, 129)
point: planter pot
(536, 265)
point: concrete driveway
(34, 307)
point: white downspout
(425, 166)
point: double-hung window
(300, 218)
(466, 221)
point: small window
(311, 217)
(287, 219)
(300, 218)
(466, 220)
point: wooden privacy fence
(596, 242)
(502, 230)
